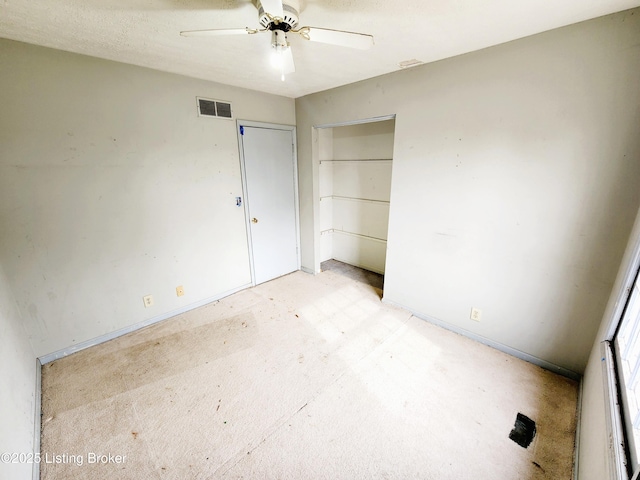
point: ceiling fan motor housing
(290, 20)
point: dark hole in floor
(523, 431)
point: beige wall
(112, 188)
(515, 182)
(17, 390)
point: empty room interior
(319, 239)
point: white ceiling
(146, 33)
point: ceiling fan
(281, 17)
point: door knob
(254, 220)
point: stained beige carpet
(301, 378)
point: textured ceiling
(146, 33)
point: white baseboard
(50, 357)
(493, 344)
(37, 420)
(576, 448)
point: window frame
(619, 463)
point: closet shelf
(355, 199)
(353, 234)
(357, 161)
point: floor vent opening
(523, 431)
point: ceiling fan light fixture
(279, 40)
(279, 47)
(276, 59)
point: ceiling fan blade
(219, 31)
(361, 41)
(273, 7)
(287, 62)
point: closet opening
(354, 189)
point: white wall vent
(208, 107)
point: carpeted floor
(303, 377)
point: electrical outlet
(180, 291)
(148, 300)
(476, 314)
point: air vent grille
(214, 108)
(223, 109)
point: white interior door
(270, 178)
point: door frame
(245, 198)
